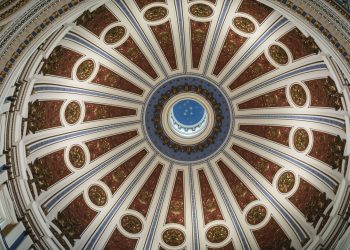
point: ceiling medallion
(115, 34)
(85, 70)
(298, 94)
(72, 112)
(97, 195)
(131, 224)
(187, 119)
(301, 140)
(278, 54)
(173, 237)
(286, 182)
(244, 24)
(201, 10)
(156, 13)
(77, 156)
(256, 215)
(217, 234)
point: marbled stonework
(49, 170)
(60, 62)
(211, 209)
(239, 189)
(94, 111)
(72, 222)
(176, 210)
(143, 199)
(256, 9)
(109, 78)
(97, 20)
(259, 67)
(164, 36)
(119, 241)
(44, 115)
(266, 168)
(272, 241)
(116, 177)
(299, 45)
(132, 51)
(277, 134)
(233, 42)
(103, 145)
(199, 31)
(273, 99)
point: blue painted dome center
(188, 112)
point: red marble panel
(199, 31)
(103, 145)
(211, 208)
(143, 199)
(176, 213)
(273, 99)
(119, 241)
(60, 62)
(143, 3)
(97, 20)
(131, 50)
(229, 246)
(324, 93)
(299, 45)
(94, 111)
(111, 79)
(241, 192)
(327, 148)
(71, 221)
(265, 167)
(310, 201)
(256, 9)
(49, 170)
(272, 237)
(115, 178)
(277, 134)
(233, 42)
(44, 115)
(325, 219)
(259, 67)
(164, 37)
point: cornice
(322, 25)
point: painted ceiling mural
(106, 171)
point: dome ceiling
(105, 168)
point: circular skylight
(188, 118)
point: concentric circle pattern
(106, 165)
(176, 148)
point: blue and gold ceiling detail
(108, 171)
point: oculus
(188, 118)
(180, 135)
